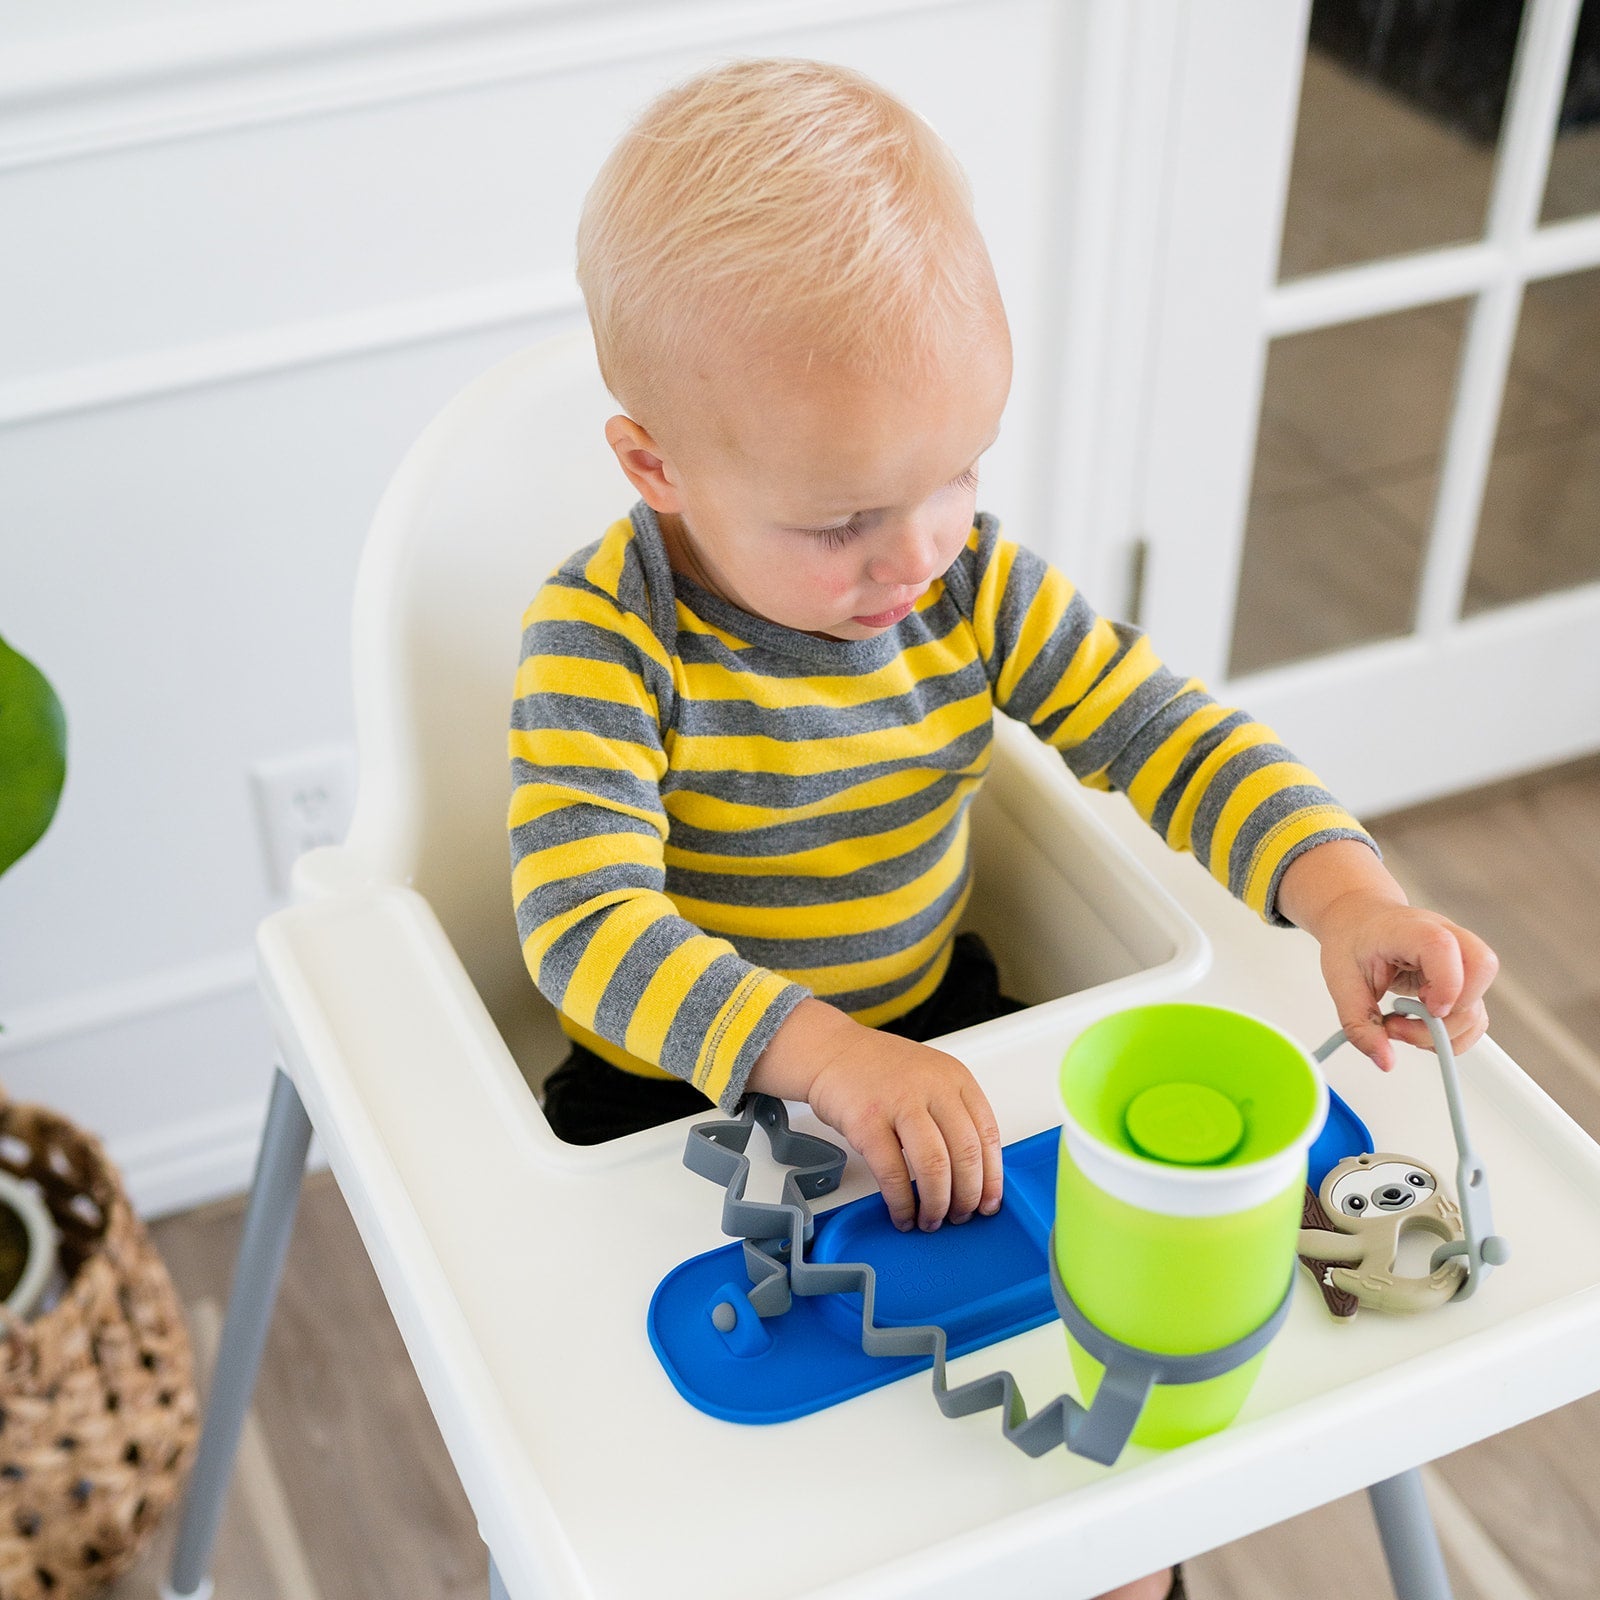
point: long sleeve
(634, 980)
(1205, 776)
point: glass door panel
(1400, 111)
(1331, 556)
(1573, 189)
(1540, 526)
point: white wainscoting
(247, 253)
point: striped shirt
(714, 816)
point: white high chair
(519, 1269)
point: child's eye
(967, 480)
(841, 534)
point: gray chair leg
(1410, 1544)
(268, 1223)
(497, 1584)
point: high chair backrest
(509, 479)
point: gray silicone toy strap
(774, 1248)
(1483, 1248)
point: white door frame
(1458, 702)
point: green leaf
(33, 755)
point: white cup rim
(1175, 1190)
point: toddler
(751, 719)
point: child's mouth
(886, 619)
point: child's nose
(908, 555)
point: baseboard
(170, 1071)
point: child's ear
(647, 469)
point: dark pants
(587, 1100)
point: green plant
(33, 755)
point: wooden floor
(344, 1490)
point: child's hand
(1370, 948)
(1373, 942)
(913, 1112)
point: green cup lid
(1188, 1124)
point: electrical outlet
(302, 801)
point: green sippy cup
(1179, 1193)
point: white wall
(246, 254)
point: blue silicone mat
(982, 1282)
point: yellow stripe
(537, 945)
(1045, 611)
(739, 1017)
(718, 814)
(991, 591)
(809, 757)
(933, 658)
(574, 857)
(609, 1052)
(557, 603)
(531, 801)
(607, 564)
(1280, 840)
(827, 860)
(567, 747)
(1152, 779)
(1180, 828)
(615, 937)
(1247, 794)
(868, 914)
(888, 1010)
(578, 675)
(852, 975)
(663, 996)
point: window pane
(1400, 111)
(1574, 185)
(1540, 528)
(1346, 412)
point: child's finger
(989, 1138)
(1434, 951)
(965, 1145)
(1479, 966)
(887, 1162)
(926, 1154)
(1359, 1016)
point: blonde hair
(779, 203)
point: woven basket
(98, 1416)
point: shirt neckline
(852, 654)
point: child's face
(822, 500)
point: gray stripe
(777, 791)
(1219, 791)
(1130, 762)
(961, 581)
(1273, 809)
(836, 950)
(571, 823)
(931, 624)
(1022, 587)
(809, 723)
(585, 641)
(572, 713)
(555, 898)
(1044, 673)
(603, 783)
(1151, 701)
(644, 958)
(881, 993)
(794, 890)
(1197, 755)
(1274, 915)
(686, 1037)
(810, 833)
(561, 961)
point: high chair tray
(981, 1282)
